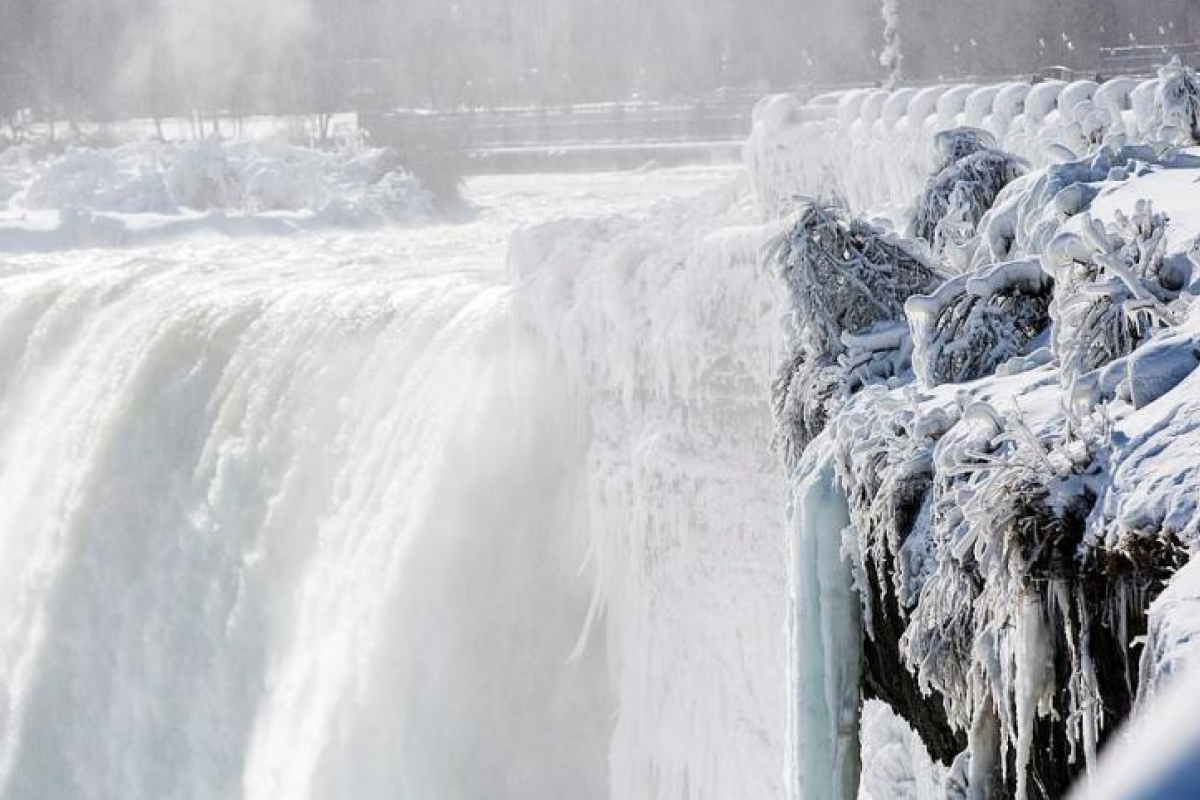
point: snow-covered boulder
(1158, 368)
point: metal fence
(1144, 59)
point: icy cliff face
(1010, 509)
(950, 417)
(668, 334)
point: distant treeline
(109, 59)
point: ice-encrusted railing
(985, 493)
(872, 147)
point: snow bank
(1157, 756)
(897, 766)
(87, 196)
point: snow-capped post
(892, 57)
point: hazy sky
(101, 58)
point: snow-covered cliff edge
(1008, 399)
(969, 312)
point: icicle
(825, 635)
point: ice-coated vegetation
(1112, 289)
(102, 197)
(1179, 98)
(972, 325)
(1018, 525)
(972, 173)
(848, 283)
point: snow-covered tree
(846, 276)
(971, 174)
(849, 282)
(1113, 287)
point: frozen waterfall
(295, 531)
(296, 519)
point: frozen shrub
(885, 464)
(971, 176)
(845, 277)
(952, 146)
(1113, 288)
(972, 325)
(807, 391)
(848, 284)
(1179, 97)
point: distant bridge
(625, 135)
(596, 136)
(1144, 59)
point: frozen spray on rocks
(980, 437)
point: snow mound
(150, 184)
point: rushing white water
(297, 519)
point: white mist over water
(296, 519)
